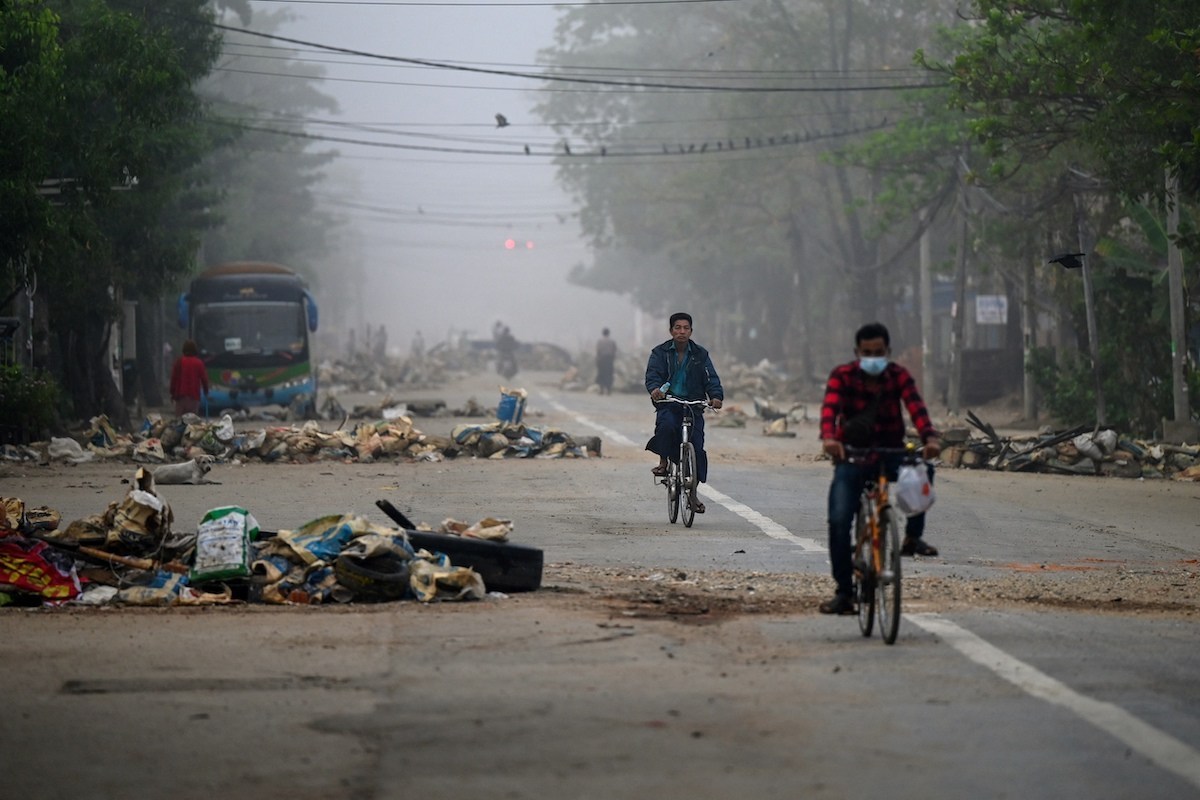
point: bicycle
(877, 577)
(681, 475)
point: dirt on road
(292, 493)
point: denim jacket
(702, 379)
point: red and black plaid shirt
(847, 394)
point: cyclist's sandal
(659, 471)
(698, 507)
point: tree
(124, 141)
(1118, 77)
(31, 68)
(720, 198)
(263, 168)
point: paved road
(557, 695)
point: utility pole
(1179, 387)
(1028, 338)
(928, 368)
(1090, 306)
(954, 392)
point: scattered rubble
(197, 443)
(130, 554)
(1078, 451)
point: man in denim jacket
(684, 369)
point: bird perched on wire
(501, 121)
(1068, 260)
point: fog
(430, 226)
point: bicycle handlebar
(912, 454)
(670, 398)
(864, 451)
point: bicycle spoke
(672, 482)
(889, 583)
(864, 570)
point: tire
(888, 585)
(504, 567)
(864, 569)
(687, 482)
(673, 492)
(373, 580)
(687, 460)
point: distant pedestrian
(606, 356)
(506, 353)
(189, 379)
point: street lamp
(1078, 261)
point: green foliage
(30, 74)
(267, 208)
(1135, 366)
(28, 398)
(103, 107)
(714, 211)
(1116, 77)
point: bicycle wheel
(687, 481)
(888, 585)
(687, 460)
(672, 482)
(864, 568)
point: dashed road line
(582, 420)
(1159, 747)
(1163, 749)
(764, 523)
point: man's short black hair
(678, 315)
(873, 330)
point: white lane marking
(1161, 748)
(764, 523)
(582, 420)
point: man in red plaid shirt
(862, 408)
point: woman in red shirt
(188, 379)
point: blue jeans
(668, 422)
(844, 491)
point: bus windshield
(251, 328)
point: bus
(251, 322)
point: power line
(725, 145)
(844, 112)
(440, 3)
(642, 85)
(869, 72)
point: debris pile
(192, 439)
(361, 371)
(760, 380)
(130, 554)
(1078, 451)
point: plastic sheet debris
(33, 567)
(489, 528)
(433, 577)
(64, 449)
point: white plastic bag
(913, 491)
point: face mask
(874, 365)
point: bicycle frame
(681, 477)
(877, 545)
